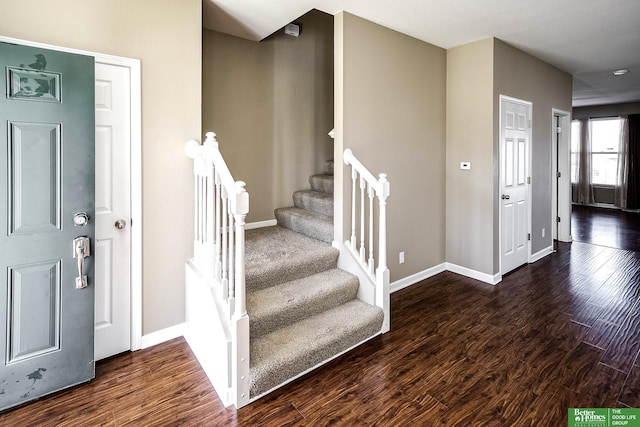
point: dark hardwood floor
(563, 332)
(606, 227)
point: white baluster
(231, 263)
(371, 262)
(354, 177)
(224, 236)
(208, 206)
(363, 250)
(198, 201)
(218, 244)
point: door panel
(34, 288)
(46, 176)
(514, 140)
(34, 177)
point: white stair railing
(366, 190)
(221, 207)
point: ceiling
(588, 39)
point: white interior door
(515, 137)
(113, 211)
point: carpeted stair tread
(287, 352)
(306, 222)
(281, 305)
(275, 255)
(322, 183)
(314, 201)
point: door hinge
(559, 129)
(557, 219)
(528, 180)
(559, 175)
(528, 236)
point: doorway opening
(135, 179)
(561, 177)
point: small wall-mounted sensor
(465, 166)
(292, 30)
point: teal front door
(46, 222)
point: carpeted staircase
(303, 310)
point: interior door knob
(505, 197)
(120, 224)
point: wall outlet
(401, 258)
(465, 166)
(543, 231)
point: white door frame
(529, 105)
(561, 162)
(136, 174)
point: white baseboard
(483, 277)
(415, 278)
(541, 254)
(163, 335)
(260, 224)
(445, 266)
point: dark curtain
(633, 189)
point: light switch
(465, 165)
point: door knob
(120, 224)
(80, 219)
(505, 197)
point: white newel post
(240, 317)
(382, 274)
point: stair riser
(321, 183)
(287, 273)
(328, 167)
(306, 200)
(288, 352)
(320, 230)
(299, 305)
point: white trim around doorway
(561, 162)
(501, 100)
(136, 173)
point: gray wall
(390, 110)
(477, 74)
(167, 38)
(608, 110)
(470, 193)
(271, 106)
(522, 76)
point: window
(575, 150)
(605, 141)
